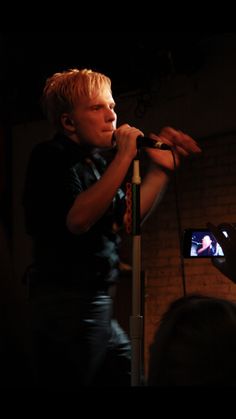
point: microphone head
(143, 141)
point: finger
(181, 139)
(187, 143)
(180, 151)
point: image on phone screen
(201, 243)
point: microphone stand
(136, 320)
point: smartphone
(200, 243)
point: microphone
(143, 141)
(149, 142)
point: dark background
(131, 59)
(134, 61)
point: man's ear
(67, 122)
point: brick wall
(206, 190)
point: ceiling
(131, 59)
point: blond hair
(62, 91)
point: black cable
(182, 265)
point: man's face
(206, 241)
(95, 120)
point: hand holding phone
(226, 236)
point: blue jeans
(77, 343)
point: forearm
(91, 204)
(152, 189)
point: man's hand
(182, 146)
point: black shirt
(58, 171)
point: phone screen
(201, 243)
